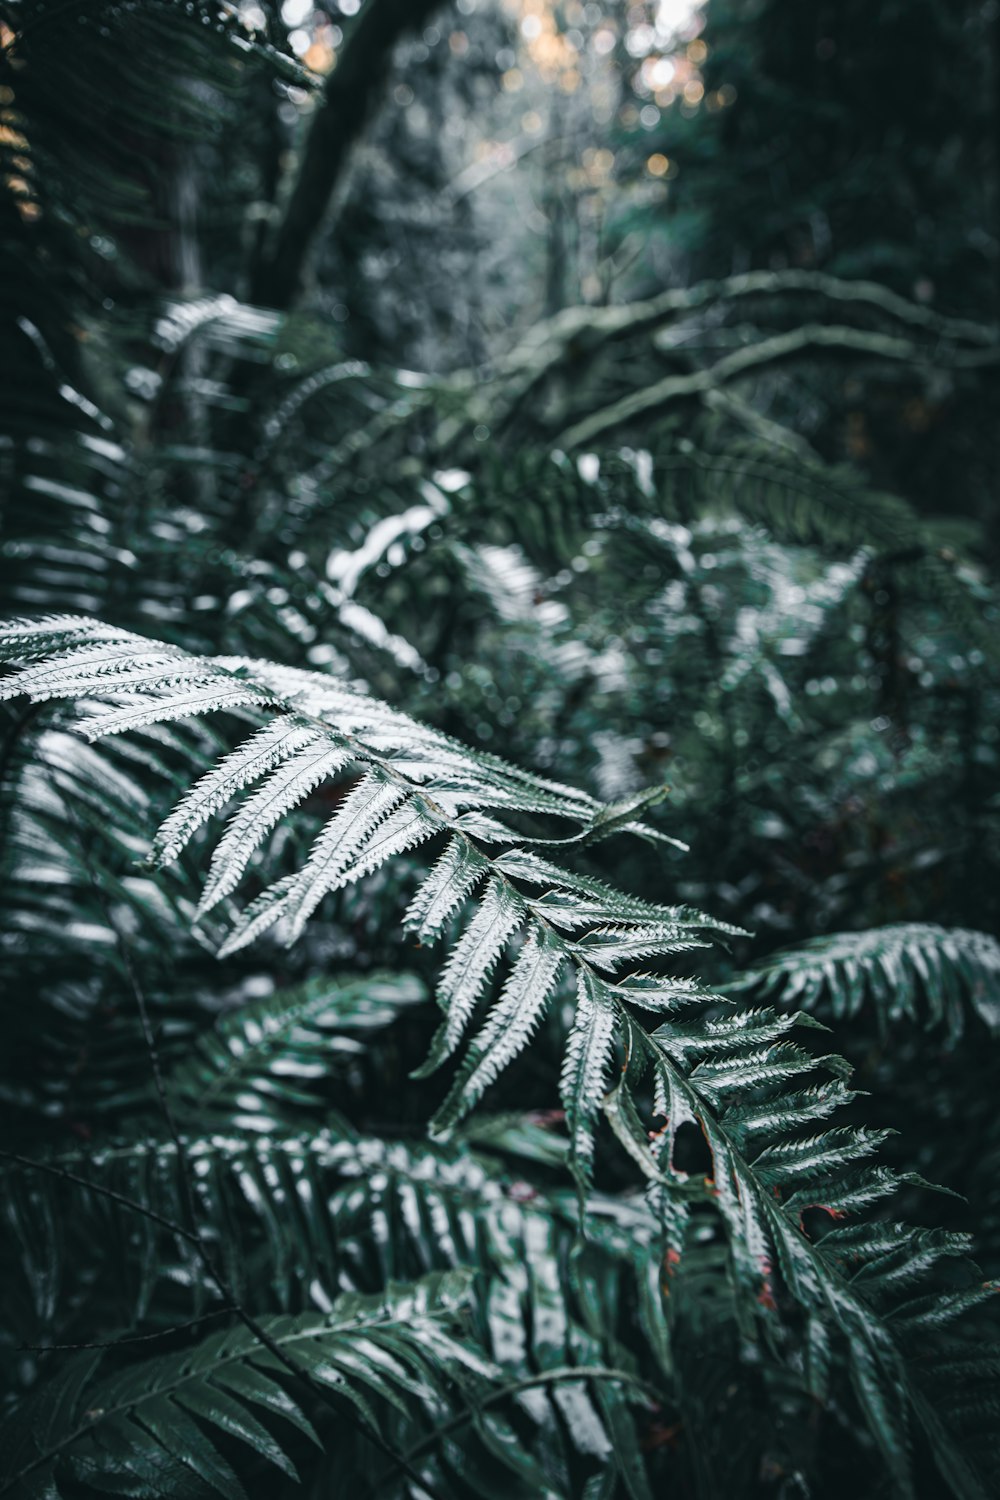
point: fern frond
(589, 1049)
(781, 485)
(476, 954)
(728, 1074)
(157, 1424)
(508, 1027)
(264, 1059)
(459, 869)
(313, 759)
(912, 970)
(330, 1210)
(370, 827)
(254, 759)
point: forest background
(529, 466)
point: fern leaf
(877, 1395)
(257, 918)
(655, 992)
(896, 969)
(623, 1117)
(752, 1069)
(203, 696)
(116, 667)
(158, 1422)
(508, 1027)
(353, 843)
(258, 755)
(586, 1060)
(24, 640)
(776, 1118)
(443, 890)
(263, 1059)
(611, 947)
(469, 966)
(730, 1074)
(283, 789)
(715, 1037)
(815, 1156)
(528, 866)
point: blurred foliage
(860, 140)
(632, 423)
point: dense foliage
(449, 819)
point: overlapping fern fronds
(758, 1098)
(305, 1215)
(708, 469)
(155, 1427)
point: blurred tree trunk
(349, 98)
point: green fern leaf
(470, 964)
(508, 1027)
(729, 1074)
(586, 1060)
(369, 828)
(263, 1059)
(158, 1421)
(897, 969)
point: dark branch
(653, 400)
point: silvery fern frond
(757, 1097)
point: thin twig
(103, 1192)
(126, 1338)
(652, 400)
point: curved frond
(263, 1060)
(754, 1093)
(311, 1214)
(912, 970)
(163, 1426)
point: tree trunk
(348, 100)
